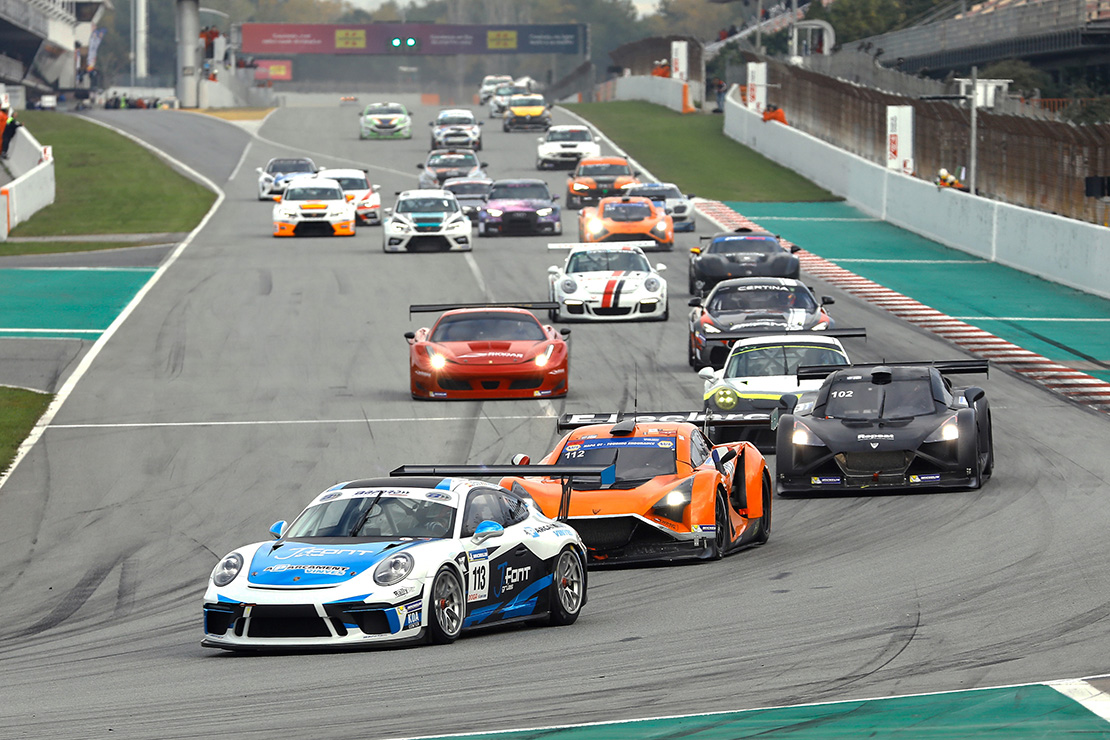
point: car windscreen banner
(427, 38)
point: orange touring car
(627, 218)
(675, 495)
(597, 177)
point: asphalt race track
(258, 372)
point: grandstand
(44, 43)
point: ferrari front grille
(453, 384)
(524, 384)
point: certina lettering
(866, 437)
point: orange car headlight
(673, 504)
(595, 226)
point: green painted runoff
(65, 303)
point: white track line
(548, 413)
(86, 361)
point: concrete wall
(33, 187)
(659, 90)
(1066, 251)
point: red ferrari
(487, 350)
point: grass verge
(19, 410)
(11, 249)
(693, 152)
(107, 184)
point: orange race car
(675, 496)
(627, 218)
(596, 177)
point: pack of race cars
(438, 549)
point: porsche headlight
(545, 356)
(725, 399)
(579, 186)
(803, 437)
(226, 570)
(595, 226)
(651, 285)
(393, 569)
(569, 286)
(544, 212)
(496, 213)
(948, 430)
(675, 501)
(710, 329)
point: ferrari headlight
(393, 569)
(543, 358)
(579, 186)
(437, 360)
(544, 212)
(651, 285)
(595, 226)
(675, 501)
(948, 430)
(710, 329)
(226, 570)
(661, 227)
(803, 437)
(569, 286)
(493, 212)
(726, 399)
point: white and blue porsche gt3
(390, 560)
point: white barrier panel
(1066, 251)
(34, 187)
(660, 90)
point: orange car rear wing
(438, 307)
(732, 336)
(700, 418)
(566, 473)
(945, 367)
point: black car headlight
(948, 431)
(673, 505)
(226, 570)
(803, 436)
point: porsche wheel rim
(447, 600)
(568, 580)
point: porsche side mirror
(660, 267)
(375, 188)
(540, 140)
(707, 373)
(258, 170)
(827, 300)
(487, 530)
(695, 302)
(389, 211)
(277, 529)
(553, 270)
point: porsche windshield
(426, 205)
(488, 327)
(285, 166)
(604, 170)
(461, 161)
(862, 399)
(469, 188)
(384, 110)
(574, 134)
(626, 211)
(387, 516)
(782, 359)
(607, 261)
(742, 244)
(530, 191)
(638, 459)
(313, 194)
(734, 298)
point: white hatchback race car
(565, 145)
(385, 121)
(489, 84)
(272, 178)
(359, 191)
(427, 220)
(389, 560)
(456, 128)
(313, 206)
(606, 282)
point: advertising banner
(411, 38)
(273, 69)
(899, 137)
(680, 60)
(756, 98)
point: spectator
(774, 113)
(722, 35)
(4, 115)
(720, 88)
(733, 30)
(9, 131)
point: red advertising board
(428, 38)
(274, 69)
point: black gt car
(886, 426)
(741, 253)
(750, 305)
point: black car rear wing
(945, 367)
(732, 336)
(566, 473)
(438, 307)
(701, 418)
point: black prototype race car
(886, 426)
(744, 252)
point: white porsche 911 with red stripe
(606, 282)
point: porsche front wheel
(569, 582)
(447, 608)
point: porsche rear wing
(945, 367)
(644, 244)
(731, 336)
(439, 307)
(703, 418)
(566, 473)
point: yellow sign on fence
(501, 39)
(350, 38)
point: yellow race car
(527, 113)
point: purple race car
(520, 207)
